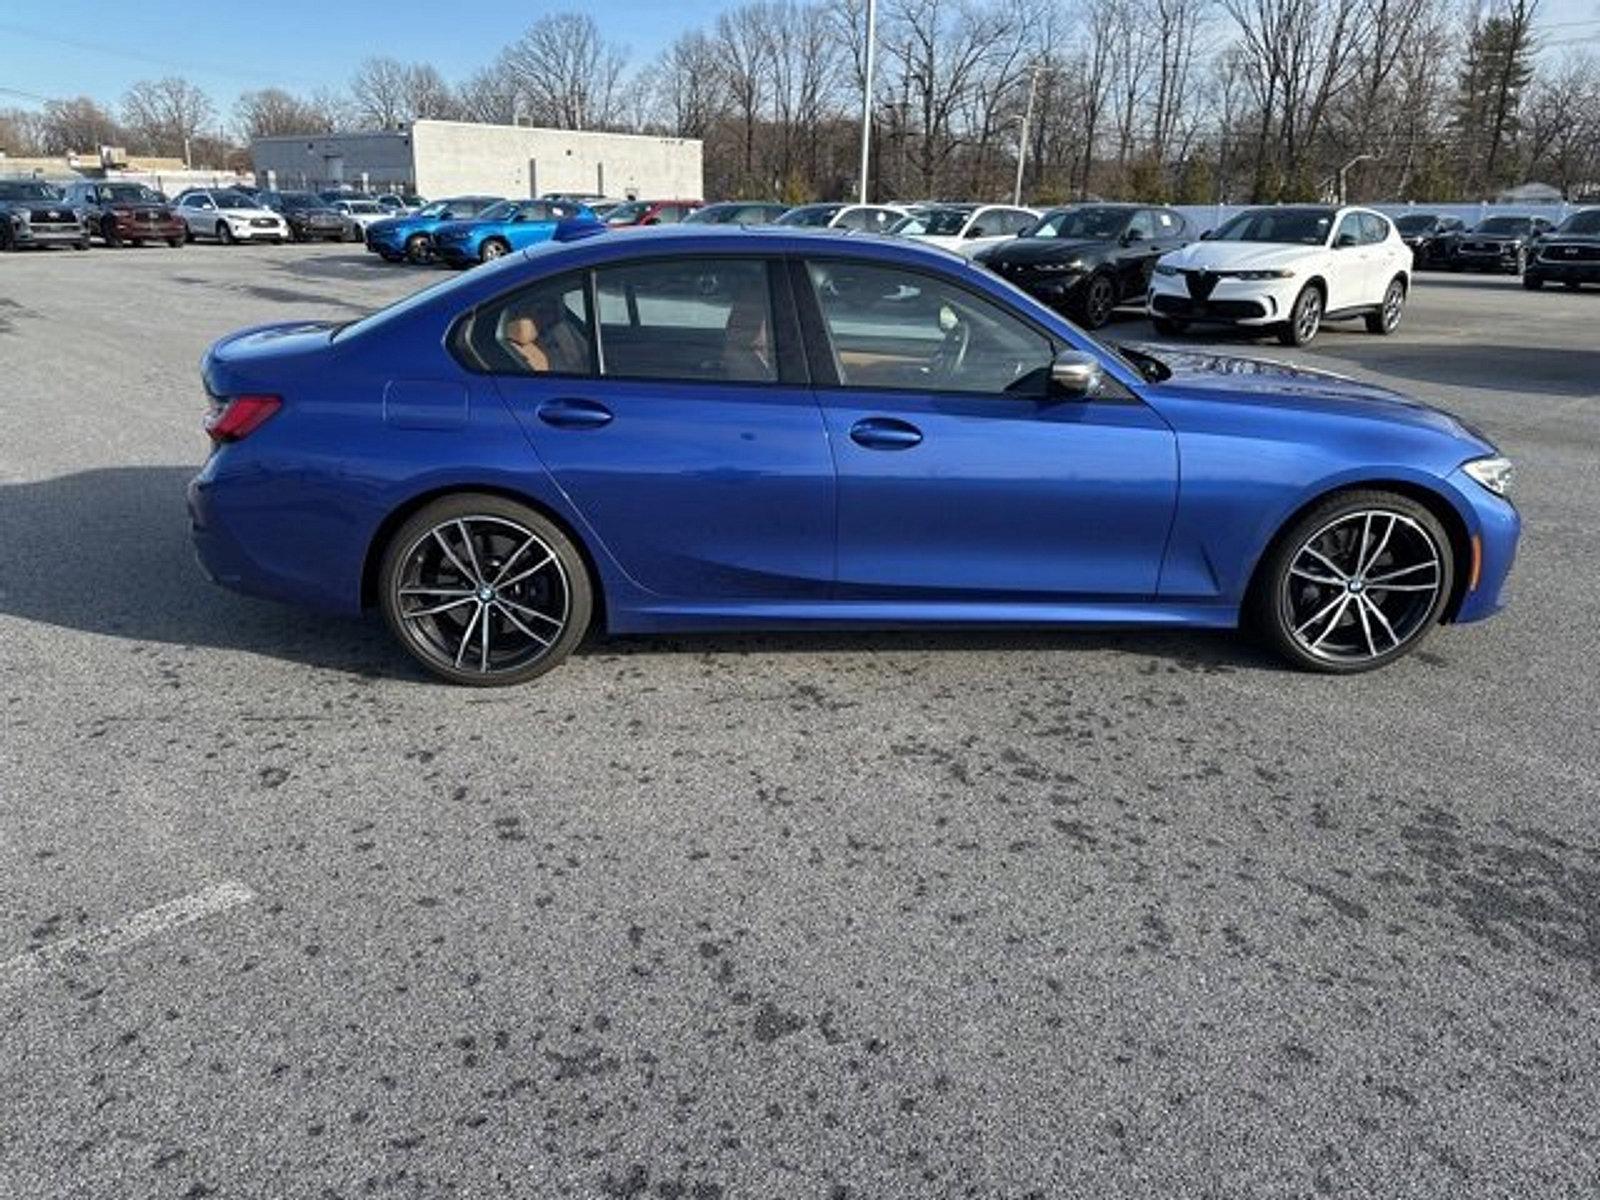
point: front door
(681, 432)
(961, 477)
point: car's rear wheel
(484, 591)
(1355, 583)
(1305, 318)
(492, 249)
(1387, 319)
(417, 250)
(1098, 300)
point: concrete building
(445, 158)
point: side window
(1374, 227)
(542, 329)
(705, 319)
(1014, 221)
(1349, 233)
(1168, 224)
(1142, 226)
(853, 218)
(900, 329)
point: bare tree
(685, 86)
(379, 90)
(273, 112)
(743, 49)
(166, 114)
(566, 72)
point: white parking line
(34, 964)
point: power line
(216, 70)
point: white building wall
(372, 161)
(458, 158)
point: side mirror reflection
(1074, 373)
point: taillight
(240, 417)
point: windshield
(299, 200)
(1419, 223)
(933, 222)
(436, 209)
(361, 206)
(1587, 221)
(1093, 224)
(233, 200)
(135, 193)
(625, 214)
(712, 214)
(12, 190)
(1293, 226)
(1505, 225)
(812, 215)
(501, 210)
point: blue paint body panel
(707, 506)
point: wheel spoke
(466, 635)
(1321, 612)
(1402, 587)
(1374, 580)
(1366, 627)
(454, 561)
(1383, 544)
(483, 638)
(1325, 580)
(1327, 562)
(439, 608)
(532, 612)
(533, 570)
(506, 566)
(472, 553)
(1372, 606)
(505, 611)
(436, 591)
(1343, 602)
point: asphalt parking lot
(968, 914)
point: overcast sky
(227, 48)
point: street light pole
(1344, 170)
(866, 96)
(1022, 138)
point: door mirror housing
(1132, 236)
(1207, 235)
(1074, 373)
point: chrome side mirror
(1074, 373)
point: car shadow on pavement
(108, 552)
(1512, 370)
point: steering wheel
(952, 353)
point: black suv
(1432, 238)
(1500, 244)
(309, 216)
(33, 213)
(1087, 259)
(1570, 255)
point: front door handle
(574, 414)
(885, 433)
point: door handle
(885, 433)
(574, 414)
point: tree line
(1188, 101)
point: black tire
(1305, 318)
(1572, 285)
(1533, 282)
(83, 245)
(391, 258)
(1387, 319)
(1520, 263)
(108, 232)
(225, 233)
(492, 249)
(1167, 327)
(1337, 638)
(188, 234)
(484, 538)
(1096, 300)
(174, 242)
(418, 250)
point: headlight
(1281, 273)
(1494, 473)
(1163, 269)
(1060, 268)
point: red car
(126, 212)
(651, 212)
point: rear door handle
(885, 433)
(573, 413)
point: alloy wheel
(1394, 302)
(1098, 302)
(1308, 316)
(482, 594)
(1362, 586)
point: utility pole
(1345, 170)
(866, 96)
(1022, 138)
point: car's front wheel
(1305, 318)
(1387, 319)
(1355, 583)
(484, 591)
(1097, 300)
(224, 233)
(1533, 283)
(417, 249)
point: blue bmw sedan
(711, 428)
(510, 225)
(411, 237)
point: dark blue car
(510, 225)
(709, 429)
(410, 238)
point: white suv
(1287, 270)
(228, 216)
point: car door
(1136, 258)
(961, 476)
(199, 213)
(685, 433)
(1350, 268)
(1389, 255)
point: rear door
(685, 432)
